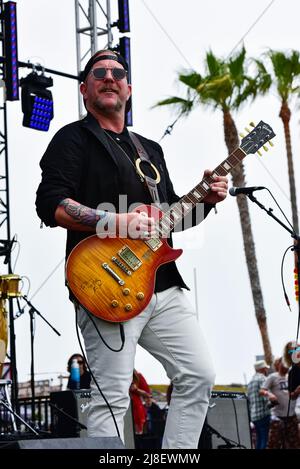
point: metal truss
(5, 232)
(93, 32)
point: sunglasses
(117, 73)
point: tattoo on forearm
(82, 214)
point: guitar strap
(144, 158)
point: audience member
(85, 377)
(284, 424)
(259, 410)
(139, 390)
(155, 417)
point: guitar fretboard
(178, 211)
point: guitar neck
(175, 215)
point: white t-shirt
(278, 385)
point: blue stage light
(124, 49)
(10, 74)
(37, 102)
(123, 21)
(42, 113)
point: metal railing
(41, 420)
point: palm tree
(226, 87)
(286, 72)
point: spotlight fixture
(37, 103)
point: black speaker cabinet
(228, 416)
(76, 405)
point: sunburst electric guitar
(114, 278)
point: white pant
(169, 330)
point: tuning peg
(247, 130)
(252, 124)
(242, 135)
(271, 143)
(259, 152)
(265, 148)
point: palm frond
(192, 80)
(215, 66)
(184, 106)
(263, 77)
(227, 84)
(236, 67)
(286, 68)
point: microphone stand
(65, 414)
(293, 234)
(17, 416)
(6, 251)
(32, 311)
(228, 443)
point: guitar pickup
(129, 257)
(153, 243)
(121, 265)
(113, 274)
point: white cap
(260, 364)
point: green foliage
(183, 105)
(227, 83)
(224, 85)
(286, 70)
(192, 80)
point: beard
(99, 106)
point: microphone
(244, 190)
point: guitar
(114, 278)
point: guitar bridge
(121, 265)
(113, 274)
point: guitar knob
(140, 295)
(128, 307)
(126, 291)
(114, 303)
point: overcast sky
(46, 34)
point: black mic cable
(282, 279)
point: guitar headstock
(262, 133)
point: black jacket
(82, 164)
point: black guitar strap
(144, 157)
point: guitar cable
(122, 334)
(88, 366)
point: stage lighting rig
(123, 21)
(10, 70)
(37, 102)
(124, 49)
